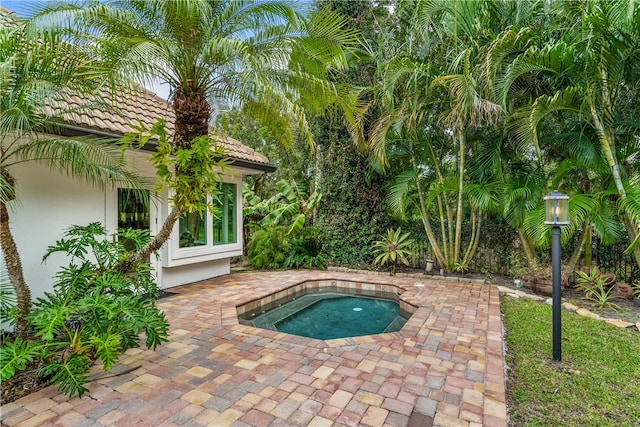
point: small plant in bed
(595, 288)
(392, 247)
(95, 311)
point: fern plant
(95, 312)
(268, 248)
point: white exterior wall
(49, 203)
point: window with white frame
(204, 229)
(225, 222)
(133, 211)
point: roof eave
(71, 130)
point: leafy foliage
(306, 250)
(268, 248)
(594, 286)
(353, 213)
(95, 311)
(203, 164)
(393, 247)
(291, 205)
(283, 220)
(7, 300)
(38, 69)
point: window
(133, 211)
(225, 220)
(195, 228)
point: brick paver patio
(445, 367)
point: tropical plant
(262, 55)
(391, 248)
(306, 250)
(38, 68)
(7, 300)
(584, 75)
(434, 116)
(594, 286)
(268, 248)
(291, 206)
(95, 311)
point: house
(49, 202)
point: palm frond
(98, 162)
(485, 196)
(399, 192)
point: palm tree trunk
(15, 272)
(475, 238)
(192, 120)
(458, 238)
(527, 247)
(449, 239)
(575, 257)
(154, 245)
(608, 150)
(632, 232)
(443, 205)
(608, 147)
(426, 223)
(192, 115)
(443, 227)
(587, 248)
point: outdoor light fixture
(556, 209)
(556, 214)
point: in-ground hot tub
(329, 309)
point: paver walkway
(445, 367)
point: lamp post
(556, 214)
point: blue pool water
(330, 315)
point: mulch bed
(21, 384)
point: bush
(95, 311)
(305, 251)
(268, 248)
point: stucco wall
(49, 203)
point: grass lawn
(596, 384)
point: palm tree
(38, 68)
(262, 55)
(433, 103)
(586, 74)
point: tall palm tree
(37, 68)
(588, 74)
(431, 84)
(260, 54)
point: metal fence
(499, 252)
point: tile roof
(115, 113)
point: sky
(20, 7)
(23, 9)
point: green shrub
(305, 251)
(595, 290)
(391, 248)
(268, 248)
(95, 311)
